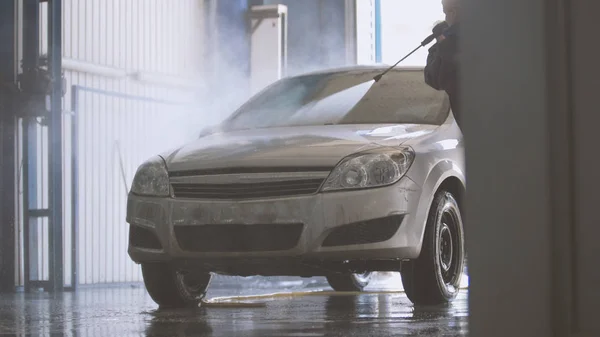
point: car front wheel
(349, 282)
(434, 277)
(172, 288)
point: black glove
(439, 28)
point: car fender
(437, 175)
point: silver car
(324, 174)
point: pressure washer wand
(437, 32)
(378, 77)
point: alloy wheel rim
(448, 248)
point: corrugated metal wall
(118, 47)
(116, 133)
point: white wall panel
(158, 37)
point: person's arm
(441, 64)
(432, 68)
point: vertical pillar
(31, 54)
(55, 156)
(378, 48)
(31, 34)
(8, 70)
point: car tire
(171, 288)
(349, 282)
(434, 277)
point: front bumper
(172, 222)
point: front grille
(247, 190)
(238, 238)
(247, 170)
(365, 232)
(143, 238)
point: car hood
(307, 146)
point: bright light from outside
(404, 24)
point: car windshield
(353, 97)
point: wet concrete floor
(128, 311)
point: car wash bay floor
(308, 309)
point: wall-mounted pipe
(140, 76)
(163, 80)
(91, 68)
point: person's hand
(439, 28)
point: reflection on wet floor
(128, 311)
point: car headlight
(151, 179)
(376, 168)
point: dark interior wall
(507, 218)
(531, 135)
(585, 83)
(316, 34)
